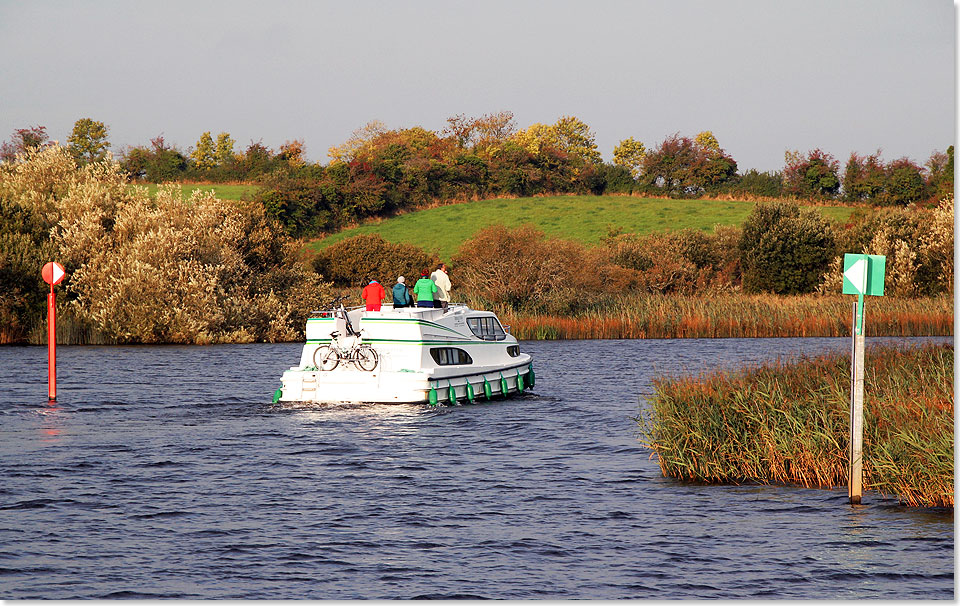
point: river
(165, 472)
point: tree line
(379, 171)
(166, 268)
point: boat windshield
(487, 328)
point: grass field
(583, 218)
(223, 191)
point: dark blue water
(165, 472)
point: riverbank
(789, 423)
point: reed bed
(737, 315)
(789, 423)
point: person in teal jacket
(401, 296)
(423, 290)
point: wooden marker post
(53, 274)
(862, 275)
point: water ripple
(200, 488)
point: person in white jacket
(442, 280)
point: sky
(765, 77)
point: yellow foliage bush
(917, 244)
(168, 269)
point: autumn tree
(88, 141)
(224, 149)
(157, 163)
(714, 166)
(940, 173)
(814, 175)
(681, 166)
(629, 153)
(863, 177)
(292, 153)
(904, 183)
(203, 156)
(536, 138)
(359, 140)
(575, 138)
(707, 141)
(22, 140)
(569, 136)
(484, 135)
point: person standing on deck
(401, 296)
(373, 294)
(424, 290)
(442, 280)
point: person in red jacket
(373, 294)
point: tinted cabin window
(513, 350)
(487, 328)
(449, 356)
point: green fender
(520, 386)
(451, 394)
(531, 377)
(503, 385)
(487, 391)
(432, 398)
(277, 395)
(470, 395)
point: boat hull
(396, 387)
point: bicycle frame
(362, 355)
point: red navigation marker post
(53, 274)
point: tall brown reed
(789, 423)
(737, 315)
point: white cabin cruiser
(406, 355)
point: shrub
(617, 179)
(785, 249)
(166, 269)
(657, 259)
(937, 243)
(918, 245)
(357, 260)
(298, 204)
(681, 262)
(757, 184)
(522, 270)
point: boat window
(449, 356)
(513, 350)
(487, 328)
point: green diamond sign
(863, 274)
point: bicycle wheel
(326, 358)
(366, 358)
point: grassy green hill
(224, 191)
(584, 218)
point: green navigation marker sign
(863, 274)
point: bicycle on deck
(361, 355)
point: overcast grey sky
(764, 76)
